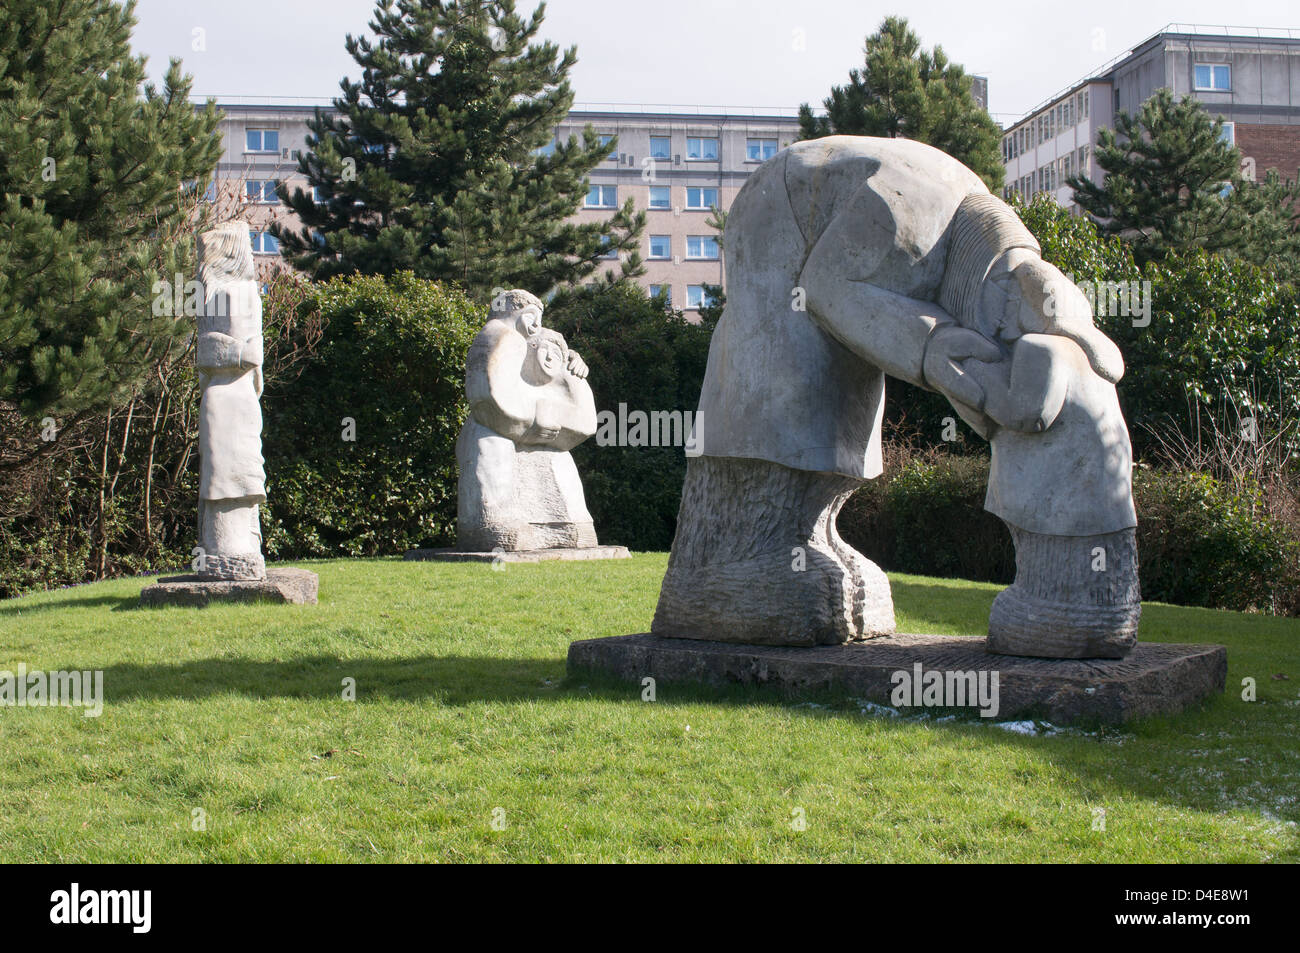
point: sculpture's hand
(250, 354)
(577, 366)
(946, 348)
(546, 424)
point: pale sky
(736, 53)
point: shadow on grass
(1096, 765)
(115, 603)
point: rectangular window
(701, 198)
(660, 197)
(695, 297)
(210, 195)
(264, 243)
(702, 149)
(1084, 105)
(661, 246)
(666, 291)
(661, 147)
(602, 196)
(702, 246)
(261, 140)
(261, 191)
(759, 150)
(546, 150)
(1229, 133)
(1213, 76)
(608, 141)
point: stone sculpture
(232, 484)
(530, 404)
(228, 564)
(851, 259)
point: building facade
(676, 166)
(1250, 80)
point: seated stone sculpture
(530, 404)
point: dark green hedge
(393, 361)
(1199, 543)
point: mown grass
(462, 709)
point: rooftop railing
(675, 109)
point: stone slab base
(298, 586)
(1156, 678)
(453, 555)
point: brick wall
(1272, 146)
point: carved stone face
(547, 354)
(528, 321)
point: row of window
(1049, 177)
(698, 247)
(1050, 124)
(696, 296)
(698, 148)
(699, 199)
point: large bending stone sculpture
(851, 259)
(530, 404)
(232, 484)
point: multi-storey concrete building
(674, 164)
(1249, 77)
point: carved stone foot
(1074, 597)
(757, 560)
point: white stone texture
(228, 357)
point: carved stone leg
(757, 559)
(1066, 601)
(231, 537)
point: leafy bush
(926, 515)
(649, 358)
(1199, 542)
(390, 369)
(1223, 332)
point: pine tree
(904, 91)
(442, 159)
(97, 186)
(1173, 181)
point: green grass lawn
(462, 709)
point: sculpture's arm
(566, 415)
(907, 338)
(217, 351)
(499, 398)
(886, 329)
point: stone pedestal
(297, 586)
(1154, 679)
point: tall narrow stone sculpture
(520, 496)
(232, 484)
(851, 259)
(228, 564)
